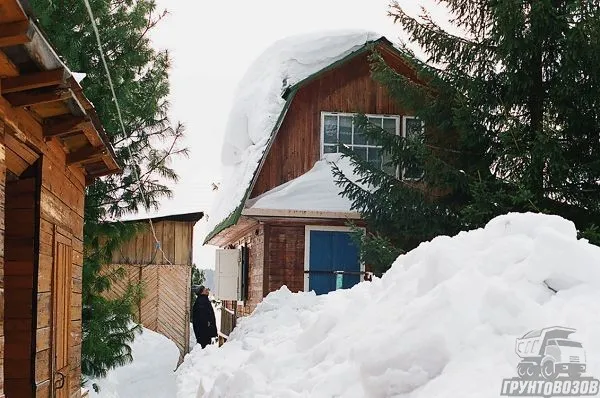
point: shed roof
(184, 217)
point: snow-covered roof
(260, 106)
(315, 189)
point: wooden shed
(166, 280)
(51, 147)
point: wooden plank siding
(175, 238)
(59, 199)
(165, 305)
(61, 206)
(40, 194)
(349, 89)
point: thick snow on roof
(315, 190)
(442, 322)
(259, 104)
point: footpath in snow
(150, 375)
(442, 322)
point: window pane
(346, 130)
(361, 152)
(375, 157)
(414, 127)
(390, 169)
(389, 125)
(375, 120)
(330, 149)
(330, 130)
(413, 172)
(359, 137)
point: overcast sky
(212, 44)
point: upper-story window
(339, 128)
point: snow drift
(441, 322)
(150, 375)
(259, 103)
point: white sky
(212, 44)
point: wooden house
(165, 278)
(51, 147)
(299, 243)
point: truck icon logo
(552, 365)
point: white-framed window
(338, 128)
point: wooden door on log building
(61, 311)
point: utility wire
(112, 89)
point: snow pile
(150, 375)
(259, 103)
(315, 190)
(441, 323)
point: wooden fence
(165, 306)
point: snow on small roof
(315, 190)
(260, 107)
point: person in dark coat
(203, 318)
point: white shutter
(227, 274)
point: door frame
(65, 237)
(326, 228)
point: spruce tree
(140, 74)
(511, 109)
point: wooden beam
(14, 33)
(62, 125)
(33, 98)
(91, 177)
(85, 153)
(32, 81)
(7, 67)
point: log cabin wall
(46, 121)
(35, 208)
(19, 278)
(55, 199)
(61, 215)
(348, 88)
(165, 306)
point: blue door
(331, 252)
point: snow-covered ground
(150, 375)
(441, 323)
